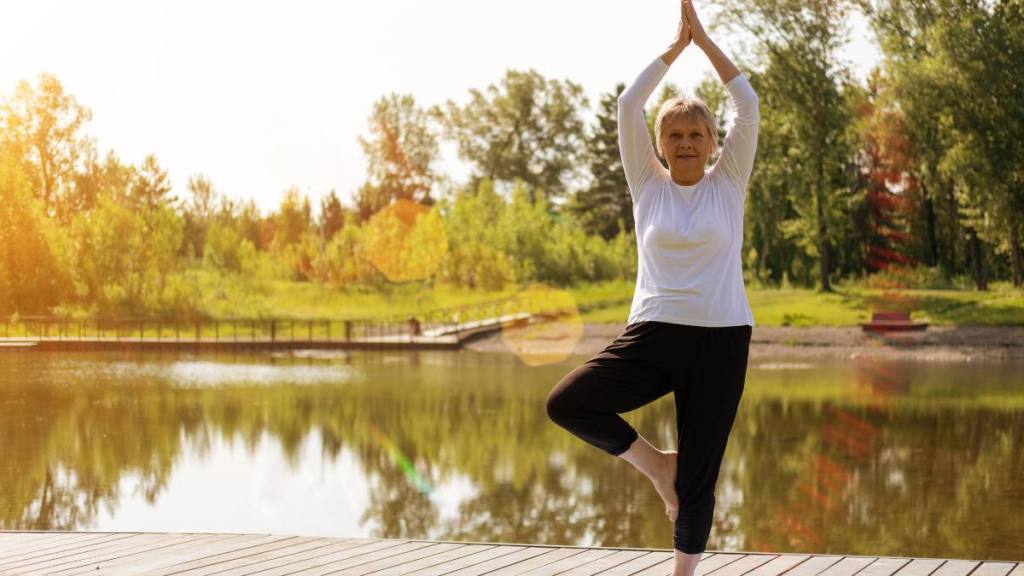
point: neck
(687, 179)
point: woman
(690, 323)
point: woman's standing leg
(708, 388)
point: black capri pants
(704, 366)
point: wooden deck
(104, 553)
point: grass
(847, 305)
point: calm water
(854, 457)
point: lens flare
(552, 331)
(403, 462)
(406, 241)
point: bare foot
(665, 484)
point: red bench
(892, 321)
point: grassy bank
(849, 305)
(609, 302)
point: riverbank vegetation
(909, 182)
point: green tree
(42, 126)
(605, 206)
(332, 216)
(804, 81)
(151, 186)
(198, 213)
(954, 65)
(31, 279)
(400, 153)
(527, 128)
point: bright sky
(260, 95)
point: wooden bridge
(437, 329)
(116, 553)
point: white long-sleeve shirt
(689, 238)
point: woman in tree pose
(689, 327)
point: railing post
(310, 330)
(273, 330)
(198, 327)
(348, 330)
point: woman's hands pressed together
(683, 34)
(692, 30)
(694, 26)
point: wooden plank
(51, 561)
(255, 562)
(886, 567)
(743, 565)
(113, 549)
(814, 565)
(848, 566)
(20, 543)
(278, 545)
(500, 562)
(570, 562)
(59, 551)
(396, 559)
(378, 549)
(94, 562)
(616, 558)
(639, 563)
(709, 562)
(350, 545)
(778, 565)
(464, 561)
(438, 562)
(993, 569)
(167, 554)
(956, 568)
(920, 567)
(507, 565)
(149, 564)
(25, 544)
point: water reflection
(854, 457)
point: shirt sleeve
(638, 159)
(740, 147)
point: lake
(837, 456)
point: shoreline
(936, 343)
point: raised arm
(740, 147)
(638, 159)
(725, 68)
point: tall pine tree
(606, 202)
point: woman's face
(686, 145)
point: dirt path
(939, 343)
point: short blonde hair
(689, 108)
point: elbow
(753, 108)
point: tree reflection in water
(843, 457)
